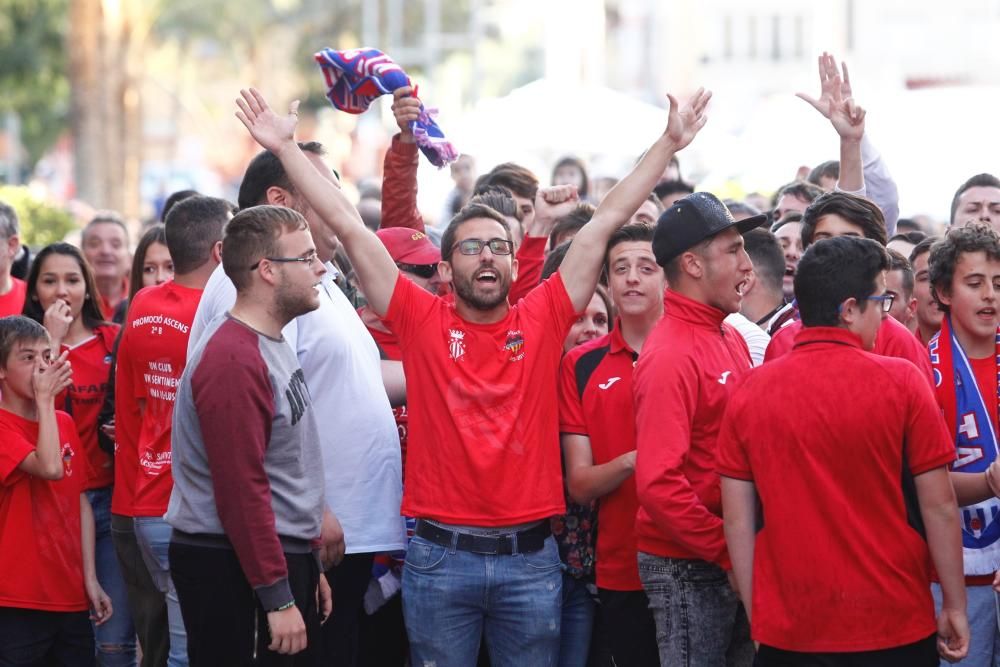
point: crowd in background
(574, 422)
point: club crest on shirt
(456, 343)
(515, 345)
(67, 459)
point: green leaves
(41, 223)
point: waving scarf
(356, 77)
(968, 417)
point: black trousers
(146, 603)
(45, 638)
(630, 628)
(918, 654)
(348, 581)
(225, 622)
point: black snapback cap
(693, 219)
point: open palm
(268, 128)
(684, 122)
(832, 82)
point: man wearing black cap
(687, 369)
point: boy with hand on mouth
(46, 523)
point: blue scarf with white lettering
(968, 417)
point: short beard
(466, 291)
(289, 305)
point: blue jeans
(116, 638)
(699, 619)
(984, 639)
(578, 611)
(153, 535)
(450, 597)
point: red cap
(408, 246)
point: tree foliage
(33, 70)
(41, 223)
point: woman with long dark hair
(62, 296)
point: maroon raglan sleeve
(234, 402)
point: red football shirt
(41, 559)
(595, 400)
(837, 564)
(484, 422)
(91, 362)
(151, 358)
(12, 302)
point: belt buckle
(487, 545)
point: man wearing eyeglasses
(352, 389)
(482, 473)
(248, 494)
(843, 214)
(835, 513)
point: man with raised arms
(483, 473)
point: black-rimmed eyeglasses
(475, 246)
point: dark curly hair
(974, 237)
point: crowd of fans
(584, 423)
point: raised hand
(50, 379)
(269, 129)
(846, 116)
(552, 203)
(684, 122)
(405, 109)
(830, 81)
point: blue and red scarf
(356, 77)
(968, 417)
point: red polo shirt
(595, 400)
(837, 565)
(893, 340)
(681, 386)
(483, 421)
